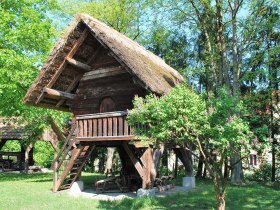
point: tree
(26, 38)
(183, 117)
(126, 16)
(26, 35)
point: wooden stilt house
(95, 72)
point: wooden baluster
(95, 127)
(115, 126)
(81, 133)
(120, 125)
(105, 126)
(125, 132)
(99, 124)
(110, 126)
(90, 127)
(85, 128)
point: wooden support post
(56, 129)
(186, 159)
(149, 169)
(55, 170)
(134, 160)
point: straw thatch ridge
(150, 70)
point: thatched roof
(11, 130)
(149, 70)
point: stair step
(71, 174)
(64, 187)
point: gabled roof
(147, 69)
(11, 130)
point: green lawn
(33, 191)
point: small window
(253, 160)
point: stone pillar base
(77, 187)
(189, 182)
(146, 193)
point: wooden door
(107, 105)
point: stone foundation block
(189, 182)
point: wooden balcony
(108, 126)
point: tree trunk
(199, 167)
(221, 203)
(235, 61)
(226, 168)
(26, 157)
(220, 193)
(204, 173)
(236, 164)
(109, 162)
(156, 157)
(223, 67)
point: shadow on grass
(4, 177)
(175, 201)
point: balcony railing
(104, 126)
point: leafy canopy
(184, 117)
(26, 36)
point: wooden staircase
(70, 168)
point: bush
(261, 174)
(43, 154)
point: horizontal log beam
(74, 49)
(101, 115)
(104, 72)
(79, 64)
(106, 138)
(58, 93)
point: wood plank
(104, 120)
(90, 127)
(81, 128)
(120, 126)
(99, 125)
(58, 93)
(75, 154)
(110, 126)
(125, 129)
(106, 138)
(134, 160)
(78, 64)
(115, 126)
(85, 129)
(89, 150)
(104, 72)
(101, 115)
(56, 129)
(94, 133)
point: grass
(33, 191)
